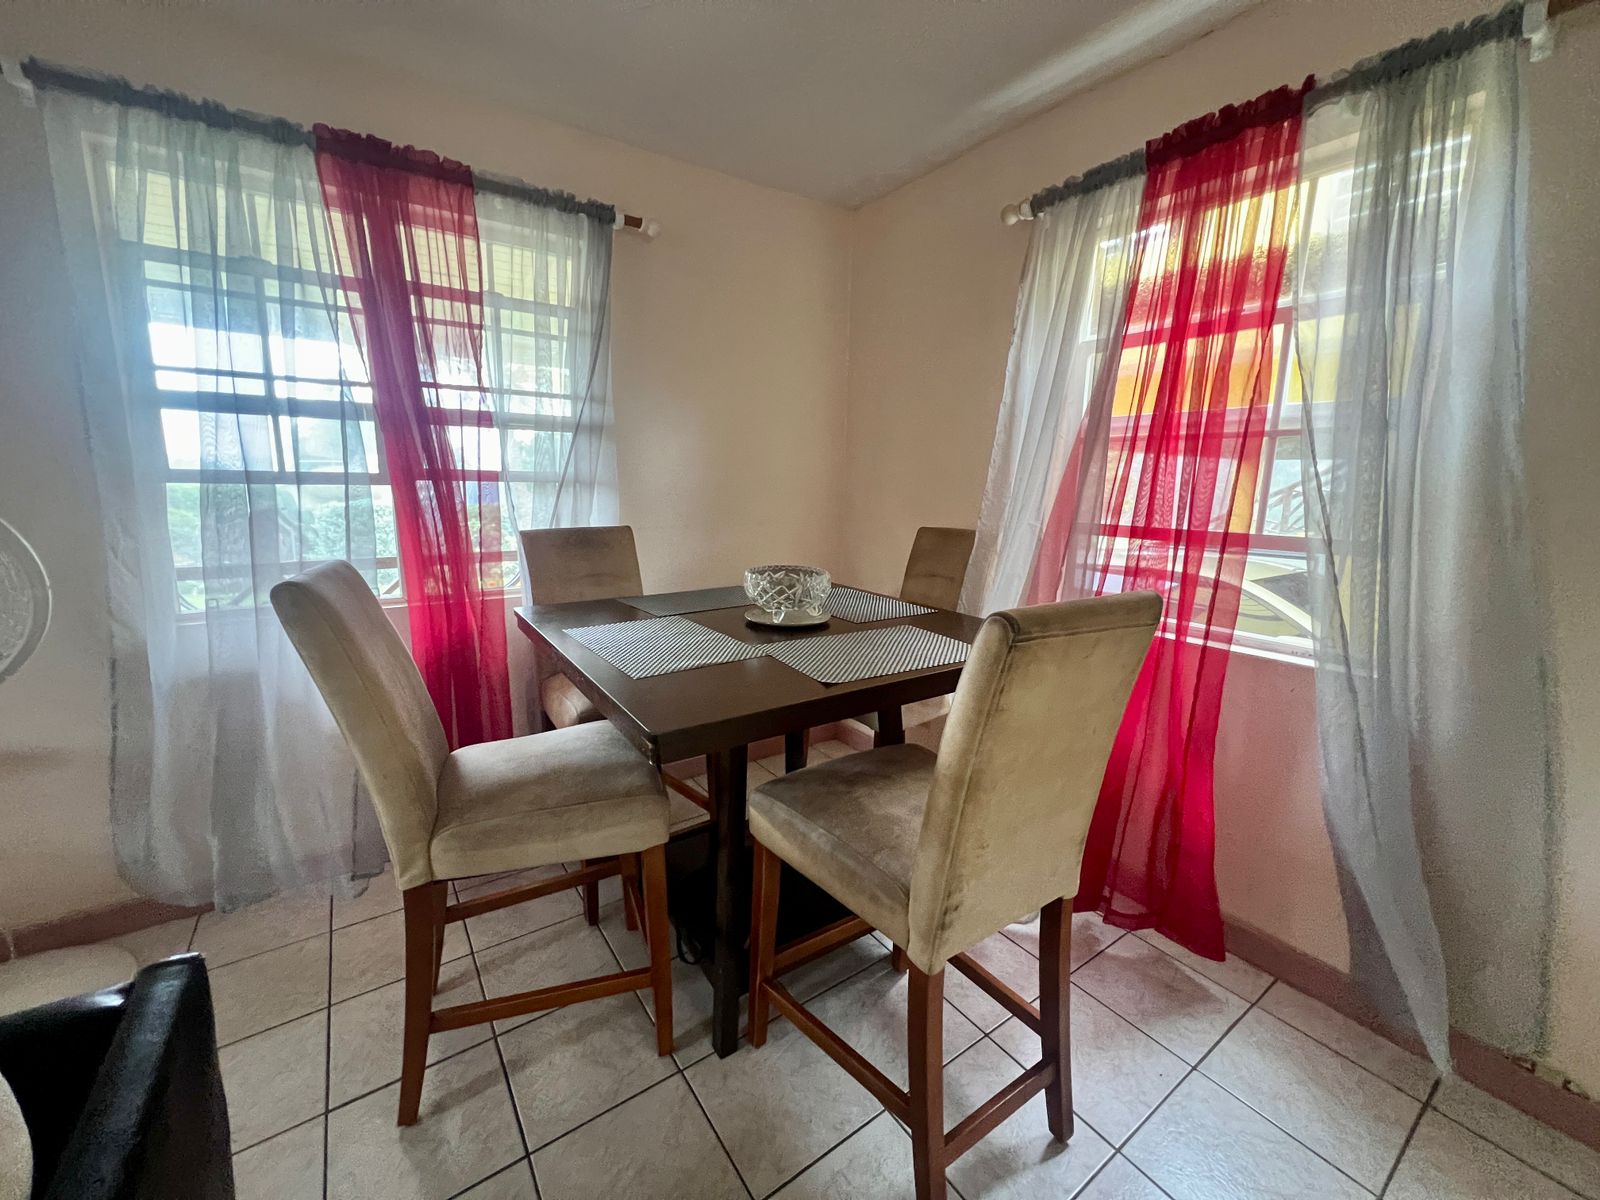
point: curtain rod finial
(1011, 214)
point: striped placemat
(661, 645)
(861, 607)
(866, 653)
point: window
(1274, 598)
(253, 384)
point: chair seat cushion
(582, 792)
(564, 704)
(851, 827)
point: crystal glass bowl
(789, 592)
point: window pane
(318, 444)
(1285, 512)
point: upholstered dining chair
(937, 566)
(936, 569)
(566, 565)
(939, 853)
(578, 793)
(563, 566)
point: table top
(704, 709)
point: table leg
(891, 729)
(725, 781)
(796, 748)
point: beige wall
(729, 372)
(934, 281)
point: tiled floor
(1193, 1080)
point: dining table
(717, 712)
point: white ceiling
(841, 100)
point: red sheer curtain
(406, 244)
(1170, 510)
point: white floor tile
(276, 1079)
(365, 1040)
(1004, 958)
(580, 1061)
(227, 937)
(372, 953)
(1447, 1162)
(1573, 1163)
(657, 1144)
(819, 974)
(874, 1163)
(780, 1107)
(158, 941)
(627, 944)
(1412, 1075)
(268, 989)
(1019, 1159)
(514, 1183)
(1120, 1180)
(565, 952)
(691, 1012)
(1119, 1074)
(833, 748)
(1239, 977)
(1348, 1115)
(466, 1132)
(506, 923)
(286, 1167)
(869, 1012)
(1090, 935)
(1203, 1144)
(381, 896)
(1182, 1010)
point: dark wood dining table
(718, 712)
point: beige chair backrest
(1020, 765)
(937, 566)
(594, 563)
(365, 673)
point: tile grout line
(882, 1112)
(1505, 1150)
(505, 1071)
(1416, 1123)
(1195, 1070)
(327, 1051)
(712, 1125)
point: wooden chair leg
(654, 869)
(630, 881)
(1055, 1013)
(768, 868)
(898, 960)
(591, 898)
(424, 924)
(925, 1037)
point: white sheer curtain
(232, 437)
(1074, 291)
(547, 354)
(1430, 681)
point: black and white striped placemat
(661, 645)
(866, 653)
(861, 607)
